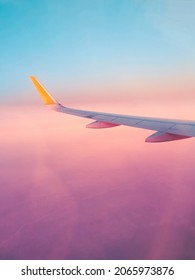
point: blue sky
(82, 42)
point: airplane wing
(165, 129)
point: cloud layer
(73, 193)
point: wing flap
(127, 121)
(105, 117)
(181, 129)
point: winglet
(47, 98)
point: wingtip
(46, 97)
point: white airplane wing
(165, 129)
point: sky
(82, 47)
(73, 193)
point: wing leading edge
(166, 129)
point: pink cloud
(73, 193)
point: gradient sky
(73, 193)
(80, 47)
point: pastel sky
(83, 47)
(73, 193)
